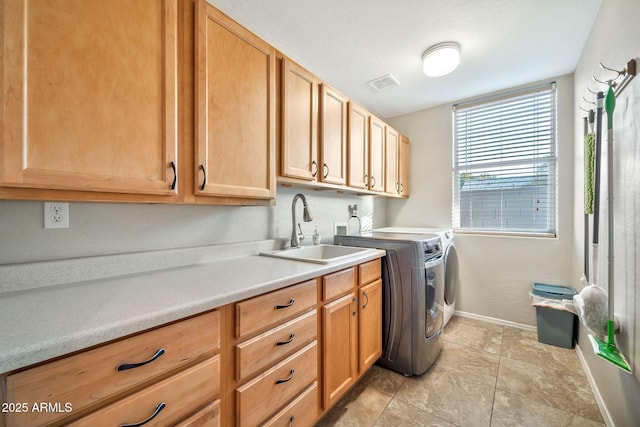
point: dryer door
(452, 279)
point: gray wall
(109, 228)
(614, 39)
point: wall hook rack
(612, 81)
(620, 73)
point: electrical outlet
(56, 215)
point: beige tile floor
(486, 375)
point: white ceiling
(346, 43)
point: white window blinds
(505, 163)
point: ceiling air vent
(384, 82)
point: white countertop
(45, 322)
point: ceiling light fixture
(441, 59)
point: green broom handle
(609, 106)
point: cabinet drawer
(260, 398)
(91, 376)
(181, 393)
(339, 283)
(265, 311)
(209, 416)
(303, 411)
(267, 348)
(369, 271)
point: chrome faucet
(306, 216)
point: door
(370, 328)
(299, 122)
(77, 114)
(358, 142)
(376, 154)
(340, 347)
(333, 136)
(391, 180)
(235, 109)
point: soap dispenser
(316, 236)
(353, 225)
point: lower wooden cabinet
(370, 324)
(163, 403)
(260, 398)
(255, 362)
(90, 379)
(340, 347)
(351, 331)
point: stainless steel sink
(320, 254)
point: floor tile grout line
(495, 386)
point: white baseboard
(606, 416)
(494, 320)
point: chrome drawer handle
(286, 342)
(126, 366)
(289, 378)
(280, 307)
(159, 408)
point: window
(504, 169)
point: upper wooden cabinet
(391, 179)
(333, 136)
(90, 95)
(235, 78)
(299, 145)
(377, 133)
(403, 165)
(358, 143)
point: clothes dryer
(451, 267)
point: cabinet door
(376, 154)
(299, 122)
(235, 109)
(333, 136)
(340, 347)
(391, 180)
(403, 165)
(370, 329)
(90, 95)
(358, 141)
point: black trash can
(555, 326)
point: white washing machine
(451, 269)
